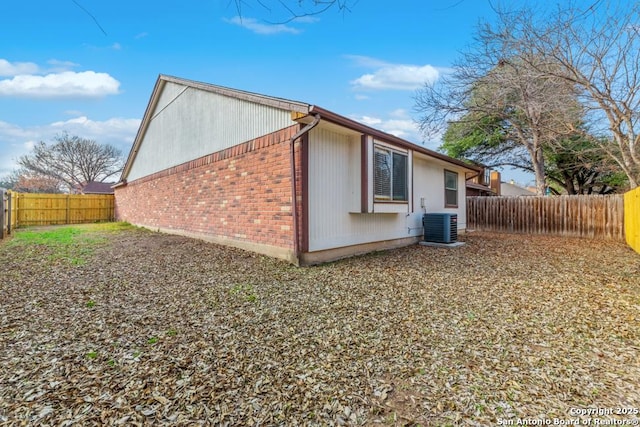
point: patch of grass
(92, 355)
(73, 244)
(109, 226)
(245, 290)
(152, 340)
(91, 303)
(59, 236)
(172, 333)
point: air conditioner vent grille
(440, 227)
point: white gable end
(188, 123)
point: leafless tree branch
(91, 15)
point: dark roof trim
(280, 103)
(352, 124)
(283, 104)
(479, 187)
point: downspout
(294, 196)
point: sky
(88, 67)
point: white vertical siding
(188, 123)
(428, 182)
(334, 195)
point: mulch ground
(164, 330)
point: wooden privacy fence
(5, 213)
(25, 209)
(580, 216)
(632, 218)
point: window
(390, 181)
(487, 177)
(450, 189)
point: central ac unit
(440, 227)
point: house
(512, 189)
(217, 163)
(484, 183)
(95, 187)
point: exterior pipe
(294, 196)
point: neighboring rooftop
(512, 189)
(94, 187)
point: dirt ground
(158, 329)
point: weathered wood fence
(632, 218)
(5, 213)
(25, 209)
(581, 216)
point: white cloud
(306, 19)
(260, 28)
(397, 123)
(366, 61)
(399, 113)
(397, 76)
(116, 131)
(65, 84)
(369, 121)
(18, 141)
(57, 66)
(13, 69)
(386, 75)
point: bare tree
(283, 11)
(595, 50)
(29, 182)
(494, 83)
(74, 160)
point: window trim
(377, 145)
(447, 205)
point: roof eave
(376, 133)
(280, 103)
(155, 95)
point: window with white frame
(390, 181)
(450, 189)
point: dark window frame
(448, 191)
(397, 190)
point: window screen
(450, 189)
(390, 175)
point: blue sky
(88, 67)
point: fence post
(3, 216)
(632, 218)
(17, 209)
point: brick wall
(242, 193)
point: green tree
(577, 166)
(504, 100)
(573, 165)
(595, 50)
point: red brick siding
(242, 193)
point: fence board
(51, 209)
(4, 213)
(632, 218)
(595, 216)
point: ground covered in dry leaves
(165, 330)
